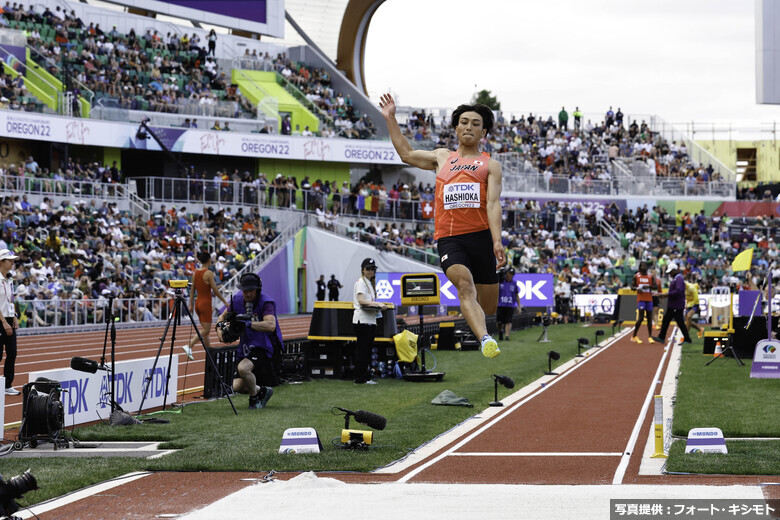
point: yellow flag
(743, 260)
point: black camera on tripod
(14, 488)
(544, 319)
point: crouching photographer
(250, 318)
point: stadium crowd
(582, 152)
(89, 251)
(314, 84)
(173, 74)
(14, 95)
(90, 247)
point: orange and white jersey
(461, 196)
(644, 285)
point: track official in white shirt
(10, 321)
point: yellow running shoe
(700, 333)
(636, 339)
(489, 347)
(650, 340)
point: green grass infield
(210, 437)
(724, 396)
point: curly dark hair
(482, 110)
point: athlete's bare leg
(205, 329)
(487, 297)
(461, 278)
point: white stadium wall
(329, 254)
(768, 51)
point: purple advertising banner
(252, 10)
(535, 290)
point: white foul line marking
(623, 466)
(538, 454)
(44, 507)
(479, 431)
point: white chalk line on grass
(548, 381)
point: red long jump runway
(575, 430)
(54, 351)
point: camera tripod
(543, 335)
(110, 327)
(175, 318)
(729, 348)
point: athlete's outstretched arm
(423, 159)
(494, 209)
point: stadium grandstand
(572, 193)
(139, 135)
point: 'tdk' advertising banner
(85, 397)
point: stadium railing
(50, 100)
(74, 190)
(306, 102)
(38, 314)
(619, 186)
(699, 155)
(268, 105)
(293, 224)
(379, 241)
(199, 191)
(86, 93)
(69, 188)
(206, 117)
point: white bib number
(461, 195)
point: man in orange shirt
(467, 211)
(644, 284)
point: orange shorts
(204, 310)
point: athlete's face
(470, 128)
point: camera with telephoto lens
(547, 319)
(230, 329)
(543, 319)
(14, 488)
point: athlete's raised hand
(387, 104)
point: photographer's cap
(671, 267)
(511, 270)
(250, 282)
(368, 262)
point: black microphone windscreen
(372, 420)
(83, 365)
(506, 381)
